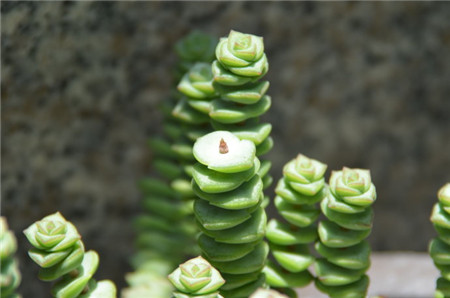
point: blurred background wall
(353, 84)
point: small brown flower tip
(223, 148)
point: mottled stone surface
(353, 84)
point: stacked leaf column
(229, 211)
(440, 247)
(168, 198)
(302, 186)
(344, 250)
(240, 65)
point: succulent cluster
(302, 186)
(439, 247)
(345, 253)
(59, 251)
(229, 211)
(10, 275)
(196, 278)
(240, 64)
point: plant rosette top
(196, 278)
(353, 186)
(242, 54)
(305, 175)
(223, 152)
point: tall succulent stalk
(10, 274)
(229, 211)
(59, 251)
(302, 186)
(344, 250)
(239, 66)
(439, 247)
(166, 233)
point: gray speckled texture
(353, 84)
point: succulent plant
(345, 253)
(59, 251)
(196, 278)
(439, 247)
(302, 186)
(167, 220)
(240, 64)
(10, 275)
(229, 212)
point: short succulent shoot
(301, 187)
(196, 278)
(344, 250)
(439, 247)
(10, 275)
(59, 251)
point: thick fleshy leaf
(439, 217)
(353, 290)
(252, 262)
(286, 192)
(210, 181)
(444, 195)
(284, 234)
(358, 221)
(226, 77)
(341, 206)
(249, 231)
(215, 218)
(333, 235)
(279, 278)
(223, 252)
(249, 93)
(186, 113)
(72, 287)
(229, 112)
(71, 262)
(250, 130)
(292, 258)
(246, 196)
(332, 275)
(439, 252)
(246, 290)
(223, 152)
(353, 257)
(234, 281)
(299, 215)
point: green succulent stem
(59, 251)
(298, 193)
(345, 254)
(229, 212)
(166, 229)
(10, 275)
(439, 247)
(239, 66)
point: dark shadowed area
(353, 84)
